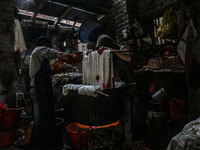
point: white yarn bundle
(68, 87)
(89, 90)
(98, 66)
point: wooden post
(67, 10)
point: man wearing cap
(122, 72)
(42, 93)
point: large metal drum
(99, 110)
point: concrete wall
(7, 55)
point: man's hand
(64, 56)
(101, 49)
(89, 51)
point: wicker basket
(159, 63)
(174, 63)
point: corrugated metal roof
(82, 9)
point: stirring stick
(104, 94)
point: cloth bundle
(88, 90)
(19, 43)
(98, 69)
(188, 138)
(65, 77)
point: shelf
(161, 71)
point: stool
(21, 94)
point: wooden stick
(120, 51)
(133, 83)
(104, 94)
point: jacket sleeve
(49, 53)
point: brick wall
(120, 17)
(7, 55)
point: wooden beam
(67, 10)
(39, 8)
(71, 29)
(60, 27)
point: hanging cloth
(19, 42)
(98, 69)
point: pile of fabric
(188, 138)
(98, 69)
(65, 77)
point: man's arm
(64, 56)
(53, 54)
(125, 56)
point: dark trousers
(47, 126)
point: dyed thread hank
(98, 69)
(68, 87)
(89, 90)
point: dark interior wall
(193, 11)
(7, 54)
(185, 10)
(154, 8)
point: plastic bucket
(11, 117)
(73, 134)
(8, 127)
(8, 137)
(178, 109)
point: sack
(189, 33)
(168, 28)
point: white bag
(181, 48)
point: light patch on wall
(25, 4)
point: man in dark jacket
(42, 93)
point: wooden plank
(39, 8)
(67, 10)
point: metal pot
(160, 96)
(99, 110)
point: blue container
(90, 30)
